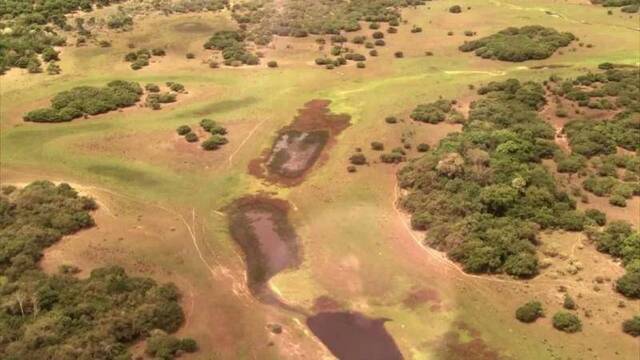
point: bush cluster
(432, 113)
(519, 44)
(140, 58)
(567, 322)
(87, 100)
(620, 240)
(217, 132)
(232, 46)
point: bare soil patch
(298, 146)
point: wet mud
(299, 146)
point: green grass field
(356, 248)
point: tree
(632, 326)
(567, 322)
(358, 159)
(529, 312)
(629, 284)
(191, 137)
(214, 142)
(569, 303)
(183, 130)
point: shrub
(152, 88)
(391, 119)
(392, 30)
(629, 284)
(358, 159)
(53, 69)
(399, 54)
(177, 87)
(158, 52)
(374, 26)
(272, 64)
(191, 137)
(377, 146)
(183, 130)
(379, 42)
(373, 53)
(190, 55)
(597, 216)
(361, 65)
(469, 33)
(416, 29)
(377, 35)
(455, 9)
(567, 322)
(214, 142)
(530, 312)
(359, 39)
(212, 127)
(632, 326)
(618, 200)
(519, 44)
(351, 169)
(394, 157)
(422, 147)
(569, 303)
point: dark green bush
(530, 312)
(358, 159)
(183, 130)
(569, 303)
(214, 142)
(632, 326)
(191, 137)
(597, 216)
(567, 322)
(422, 147)
(377, 146)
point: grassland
(162, 200)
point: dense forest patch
(88, 100)
(483, 194)
(519, 44)
(59, 316)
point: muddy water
(299, 146)
(260, 226)
(353, 336)
(294, 152)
